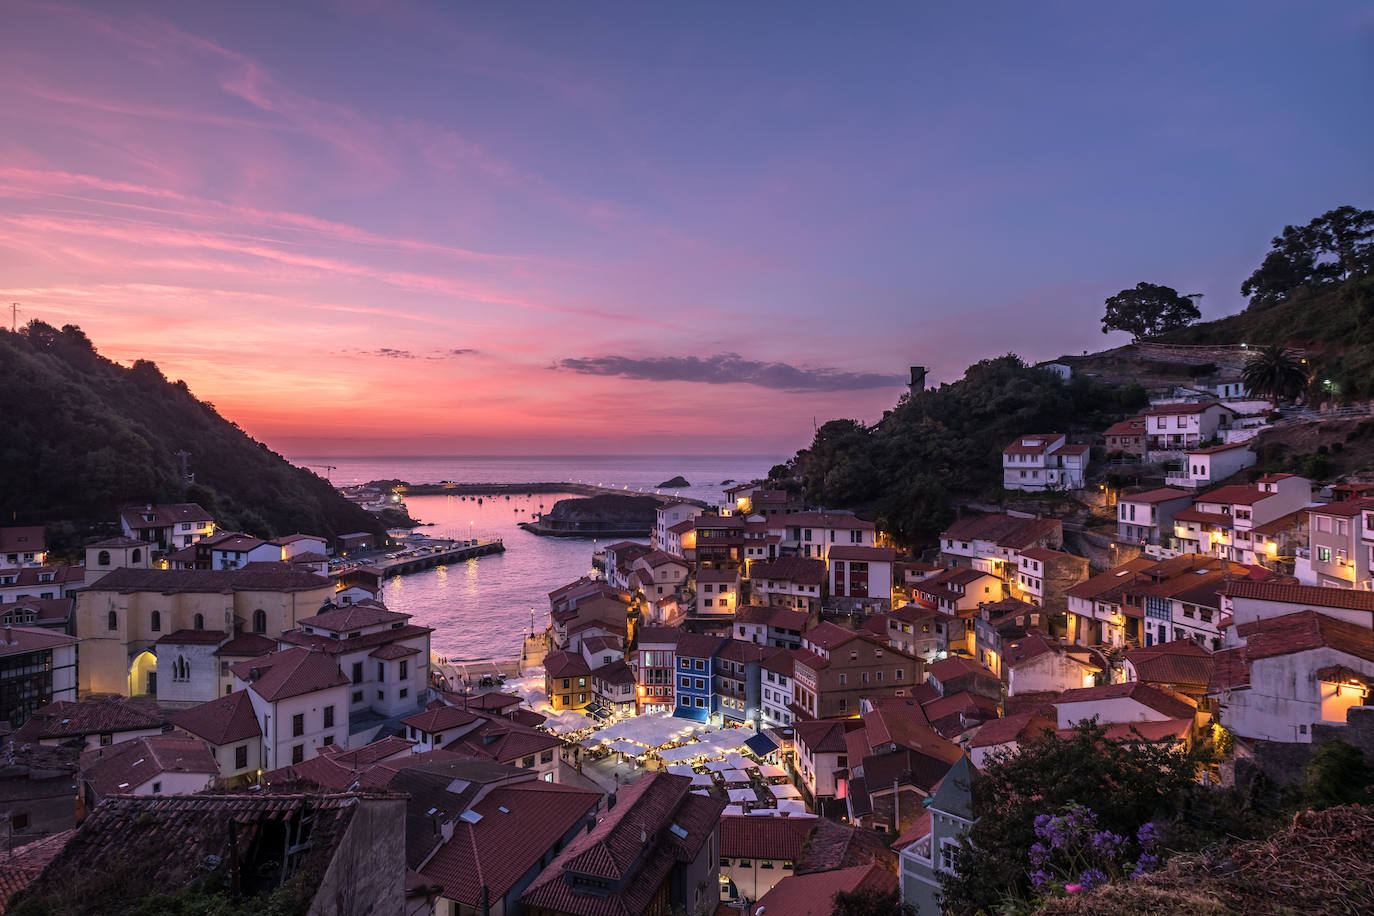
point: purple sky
(385, 227)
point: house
(1280, 676)
(658, 574)
(52, 614)
(714, 541)
(43, 582)
(40, 786)
(126, 611)
(993, 543)
(668, 515)
(613, 690)
(776, 691)
(230, 727)
(300, 699)
(1044, 575)
(956, 673)
(384, 656)
(1147, 517)
(789, 582)
(1128, 703)
(814, 894)
(955, 715)
(1127, 438)
(26, 546)
(37, 666)
(758, 852)
(654, 661)
(998, 623)
(1103, 611)
(356, 540)
(657, 847)
(737, 678)
(507, 832)
(812, 534)
(610, 610)
(1181, 597)
(1181, 666)
(438, 725)
(169, 527)
(1035, 663)
(1037, 462)
(695, 692)
(95, 722)
(771, 626)
(1174, 428)
(1338, 554)
(157, 765)
(895, 762)
(225, 550)
(717, 592)
(620, 563)
(1209, 464)
(137, 847)
(1221, 521)
(1245, 601)
(567, 680)
(501, 740)
(928, 848)
(921, 631)
(860, 578)
(835, 668)
(958, 591)
(821, 753)
(1005, 736)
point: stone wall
(1282, 762)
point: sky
(400, 227)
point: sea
(482, 608)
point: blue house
(696, 658)
(928, 847)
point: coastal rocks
(676, 483)
(609, 515)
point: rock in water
(676, 482)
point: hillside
(84, 436)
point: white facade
(1203, 467)
(776, 693)
(669, 515)
(1145, 518)
(812, 534)
(1286, 697)
(295, 728)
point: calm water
(481, 608)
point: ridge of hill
(84, 436)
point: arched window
(259, 621)
(200, 621)
(114, 621)
(136, 555)
(157, 621)
(102, 558)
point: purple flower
(1147, 836)
(1147, 863)
(1041, 823)
(1039, 854)
(1040, 878)
(1107, 844)
(1093, 877)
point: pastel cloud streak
(375, 229)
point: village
(765, 706)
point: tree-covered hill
(945, 444)
(81, 436)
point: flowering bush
(1071, 852)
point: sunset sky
(509, 228)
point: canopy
(733, 809)
(736, 777)
(680, 769)
(678, 754)
(791, 806)
(652, 730)
(762, 745)
(786, 790)
(621, 746)
(737, 762)
(700, 792)
(717, 766)
(771, 771)
(702, 779)
(742, 795)
(566, 722)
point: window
(947, 848)
(103, 558)
(900, 674)
(1324, 554)
(686, 683)
(405, 692)
(113, 621)
(844, 707)
(844, 680)
(701, 704)
(357, 696)
(156, 624)
(136, 556)
(157, 788)
(686, 701)
(700, 665)
(700, 684)
(298, 754)
(259, 621)
(198, 622)
(546, 757)
(240, 756)
(381, 672)
(298, 725)
(328, 740)
(405, 668)
(329, 717)
(357, 672)
(106, 740)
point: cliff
(609, 515)
(84, 436)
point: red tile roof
(953, 666)
(255, 577)
(1303, 631)
(1166, 704)
(353, 617)
(829, 635)
(813, 894)
(122, 768)
(247, 645)
(1032, 444)
(1234, 495)
(825, 736)
(192, 638)
(17, 640)
(223, 720)
(1311, 595)
(1213, 449)
(1013, 728)
(289, 673)
(798, 570)
(1182, 661)
(68, 719)
(438, 719)
(1132, 427)
(862, 554)
(1003, 530)
(742, 836)
(1170, 410)
(837, 520)
(27, 539)
(1158, 495)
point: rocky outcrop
(610, 515)
(676, 483)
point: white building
(26, 546)
(300, 699)
(1127, 702)
(668, 515)
(812, 534)
(1205, 466)
(1148, 518)
(230, 727)
(861, 577)
(777, 690)
(1174, 428)
(1222, 522)
(1044, 461)
(1338, 550)
(159, 765)
(1035, 663)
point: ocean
(482, 608)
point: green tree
(869, 902)
(1126, 785)
(1330, 249)
(1149, 310)
(1275, 373)
(1338, 774)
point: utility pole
(14, 316)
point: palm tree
(1275, 373)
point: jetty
(427, 556)
(529, 489)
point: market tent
(733, 809)
(742, 795)
(678, 754)
(737, 762)
(786, 790)
(621, 746)
(652, 730)
(566, 722)
(772, 771)
(793, 807)
(717, 766)
(700, 792)
(702, 779)
(736, 777)
(680, 769)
